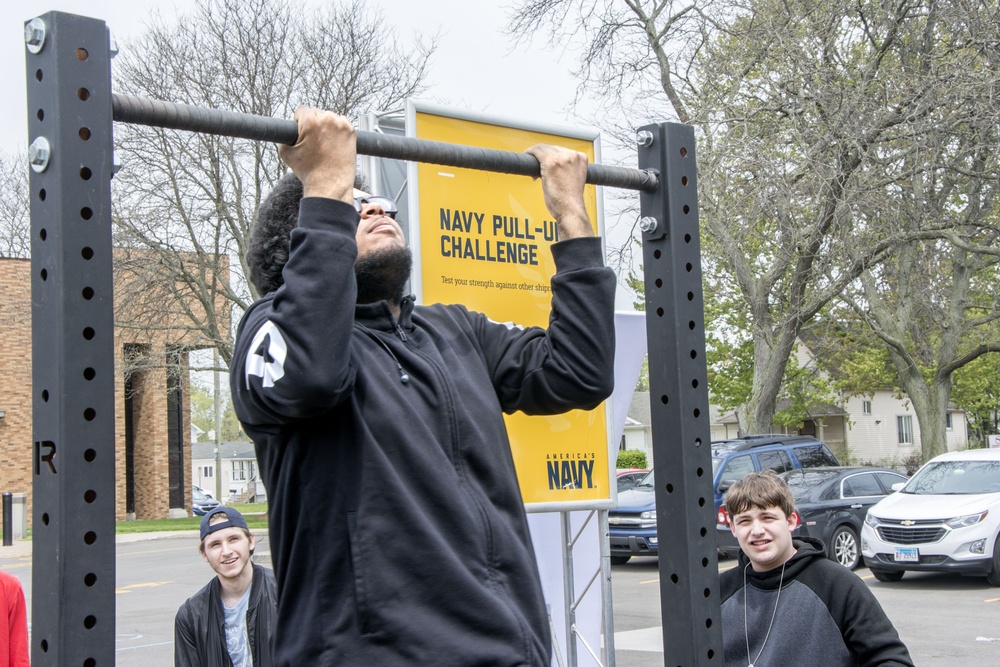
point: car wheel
(882, 575)
(844, 547)
(619, 560)
(993, 578)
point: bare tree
(184, 203)
(804, 113)
(15, 221)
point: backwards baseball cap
(233, 520)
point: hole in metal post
(89, 374)
(674, 579)
(90, 455)
(45, 518)
(90, 537)
(691, 325)
(90, 414)
(85, 173)
(41, 194)
(664, 399)
(684, 152)
(90, 621)
(694, 354)
(42, 234)
(88, 293)
(87, 253)
(86, 213)
(89, 579)
(45, 395)
(90, 496)
(89, 333)
(40, 114)
(44, 274)
(684, 180)
(656, 254)
(89, 662)
(45, 646)
(670, 488)
(697, 412)
(38, 75)
(686, 209)
(659, 312)
(687, 238)
(84, 133)
(694, 384)
(83, 94)
(82, 54)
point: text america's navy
(414, 480)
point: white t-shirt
(237, 639)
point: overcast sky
(475, 67)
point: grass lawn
(255, 515)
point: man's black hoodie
(398, 534)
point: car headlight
(965, 521)
(648, 516)
(871, 520)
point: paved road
(945, 620)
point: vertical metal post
(569, 587)
(678, 387)
(607, 610)
(69, 126)
(8, 518)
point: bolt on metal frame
(70, 112)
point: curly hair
(270, 236)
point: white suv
(945, 519)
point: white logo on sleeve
(266, 360)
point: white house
(238, 462)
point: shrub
(631, 458)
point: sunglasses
(388, 205)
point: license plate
(907, 555)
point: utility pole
(218, 427)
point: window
(776, 461)
(239, 470)
(860, 486)
(888, 479)
(208, 471)
(866, 407)
(736, 469)
(813, 456)
(947, 422)
(904, 426)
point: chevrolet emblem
(907, 522)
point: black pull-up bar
(156, 113)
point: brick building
(152, 406)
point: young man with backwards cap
(231, 620)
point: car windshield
(716, 462)
(647, 480)
(198, 495)
(956, 478)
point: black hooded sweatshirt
(826, 616)
(398, 533)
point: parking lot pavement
(944, 619)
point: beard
(382, 274)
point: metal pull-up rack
(71, 109)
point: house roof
(227, 450)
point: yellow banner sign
(483, 241)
